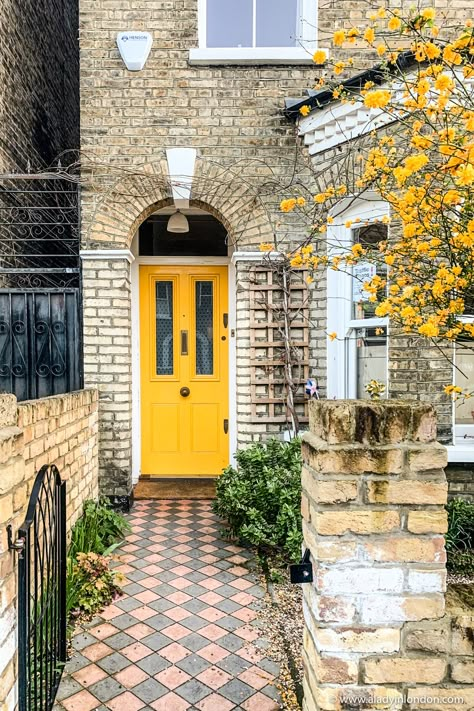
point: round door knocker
(185, 392)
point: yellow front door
(184, 370)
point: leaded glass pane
(204, 328)
(164, 328)
(229, 23)
(369, 236)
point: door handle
(185, 392)
(184, 343)
(226, 426)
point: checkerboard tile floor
(183, 636)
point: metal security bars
(40, 304)
(42, 649)
(40, 342)
(39, 232)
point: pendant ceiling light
(178, 223)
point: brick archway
(216, 188)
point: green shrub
(90, 584)
(99, 530)
(460, 536)
(261, 499)
(461, 562)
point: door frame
(136, 364)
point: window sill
(249, 55)
(459, 453)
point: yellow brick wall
(377, 634)
(59, 430)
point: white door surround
(135, 315)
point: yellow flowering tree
(421, 164)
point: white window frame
(341, 352)
(462, 449)
(308, 11)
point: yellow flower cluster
(289, 204)
(377, 99)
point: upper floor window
(256, 31)
(252, 23)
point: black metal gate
(40, 342)
(42, 593)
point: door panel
(205, 427)
(184, 370)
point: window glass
(164, 328)
(204, 328)
(371, 358)
(229, 23)
(369, 237)
(464, 377)
(277, 23)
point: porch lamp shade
(178, 223)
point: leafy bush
(461, 562)
(460, 536)
(261, 499)
(99, 530)
(91, 584)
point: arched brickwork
(216, 188)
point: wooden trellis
(267, 344)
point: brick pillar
(108, 363)
(373, 495)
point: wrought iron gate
(42, 593)
(40, 342)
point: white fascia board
(460, 453)
(107, 254)
(255, 256)
(181, 166)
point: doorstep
(168, 488)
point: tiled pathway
(181, 636)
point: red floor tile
(214, 677)
(213, 653)
(136, 651)
(256, 678)
(259, 702)
(125, 702)
(139, 631)
(212, 632)
(89, 675)
(215, 702)
(174, 652)
(143, 613)
(96, 651)
(171, 702)
(83, 701)
(103, 631)
(131, 676)
(172, 677)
